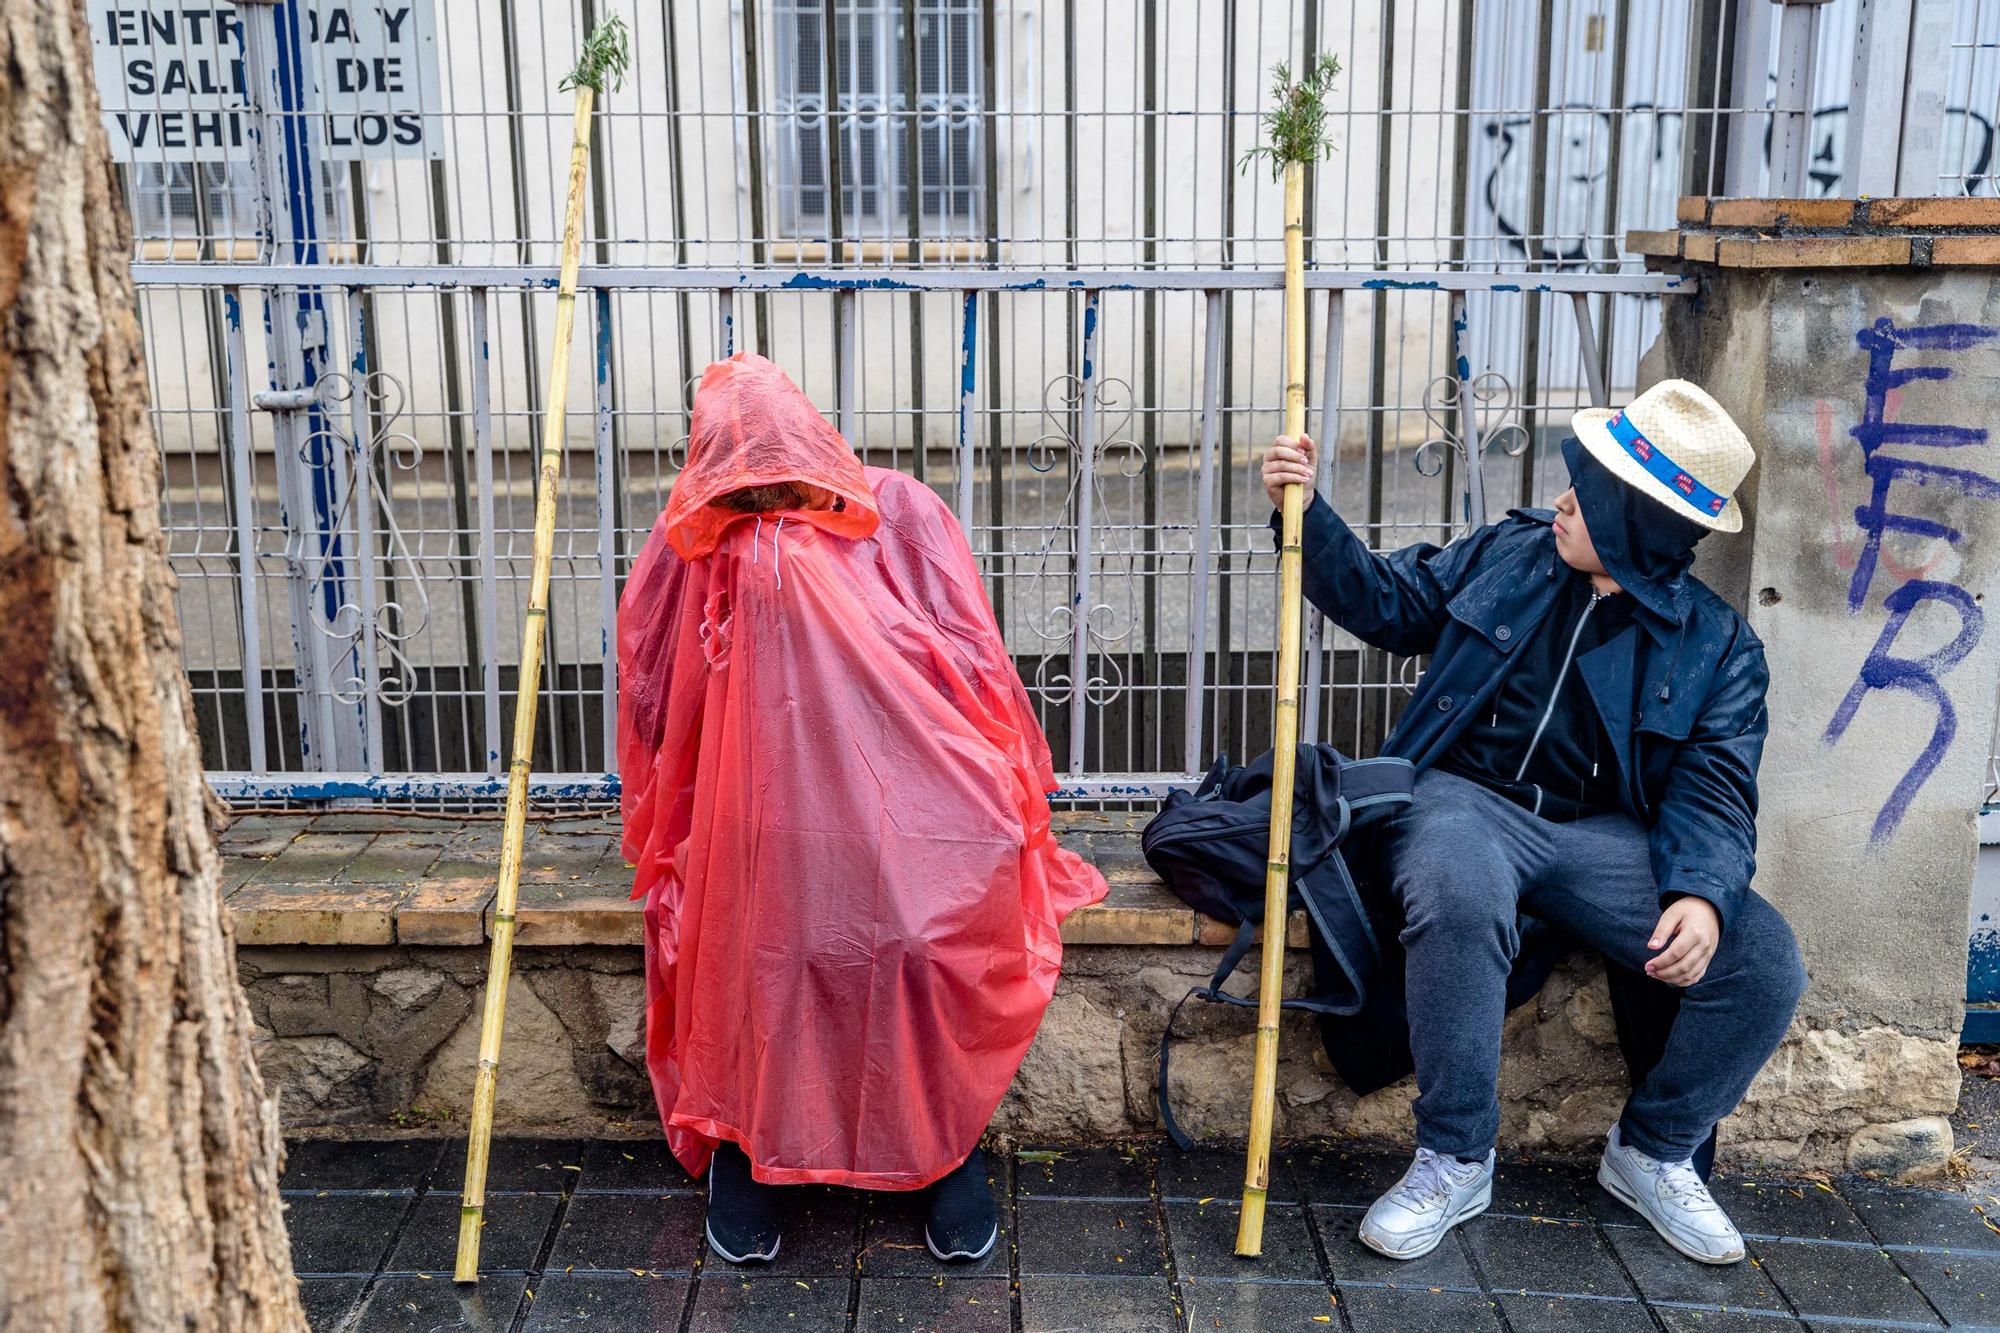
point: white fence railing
(1007, 247)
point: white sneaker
(1434, 1195)
(1673, 1198)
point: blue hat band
(1663, 469)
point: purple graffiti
(1884, 669)
(1876, 432)
(1914, 675)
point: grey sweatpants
(1463, 861)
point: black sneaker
(742, 1213)
(963, 1223)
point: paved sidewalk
(607, 1236)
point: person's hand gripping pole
(1296, 129)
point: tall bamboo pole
(603, 58)
(1284, 743)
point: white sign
(172, 80)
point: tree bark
(138, 1150)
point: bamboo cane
(604, 57)
(1296, 125)
(1284, 743)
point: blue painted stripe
(1982, 1027)
(261, 788)
(966, 372)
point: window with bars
(907, 114)
(189, 201)
(186, 200)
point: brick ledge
(365, 879)
(1827, 233)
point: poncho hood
(753, 427)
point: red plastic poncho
(835, 794)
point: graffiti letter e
(1919, 676)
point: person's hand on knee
(1688, 932)
(1291, 461)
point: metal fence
(1013, 253)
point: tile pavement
(607, 1235)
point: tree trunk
(138, 1151)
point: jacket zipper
(1556, 692)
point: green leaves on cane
(1295, 124)
(607, 54)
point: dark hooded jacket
(1679, 690)
(1677, 687)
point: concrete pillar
(1858, 345)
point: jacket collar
(1661, 607)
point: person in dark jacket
(1587, 737)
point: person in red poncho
(836, 797)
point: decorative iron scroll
(1104, 625)
(1494, 419)
(385, 400)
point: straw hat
(1677, 445)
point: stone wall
(373, 1037)
(389, 1036)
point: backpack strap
(1330, 782)
(1366, 782)
(1232, 958)
(1361, 784)
(1341, 946)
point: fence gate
(1006, 246)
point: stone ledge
(366, 996)
(378, 1037)
(369, 880)
(1826, 233)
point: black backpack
(1211, 847)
